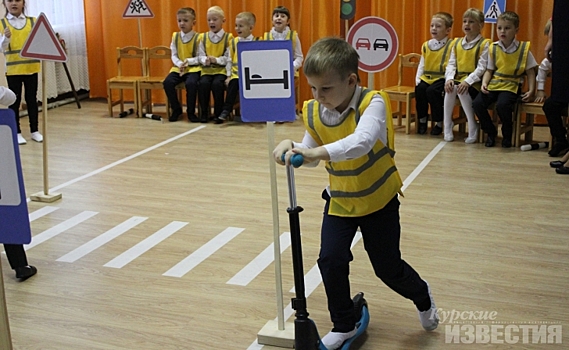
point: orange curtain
(106, 29)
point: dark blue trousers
(191, 81)
(381, 233)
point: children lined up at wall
(213, 68)
(16, 27)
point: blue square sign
(266, 81)
(493, 9)
(14, 219)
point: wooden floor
(488, 229)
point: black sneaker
(174, 117)
(490, 141)
(193, 118)
(506, 143)
(422, 129)
(436, 130)
(559, 149)
(23, 273)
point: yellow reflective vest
(363, 185)
(510, 67)
(215, 50)
(185, 51)
(467, 59)
(16, 65)
(435, 62)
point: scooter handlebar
(296, 160)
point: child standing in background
(20, 71)
(542, 71)
(464, 71)
(431, 73)
(281, 31)
(244, 24)
(186, 68)
(508, 60)
(214, 57)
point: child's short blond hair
(510, 16)
(248, 17)
(446, 17)
(331, 56)
(475, 14)
(547, 27)
(217, 10)
(187, 11)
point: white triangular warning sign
(493, 11)
(42, 43)
(137, 9)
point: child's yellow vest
(16, 65)
(467, 60)
(215, 50)
(435, 62)
(185, 51)
(364, 185)
(510, 67)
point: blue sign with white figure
(493, 9)
(266, 81)
(14, 219)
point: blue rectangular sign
(14, 219)
(493, 9)
(266, 81)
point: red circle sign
(376, 42)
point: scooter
(305, 332)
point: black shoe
(192, 118)
(559, 149)
(174, 117)
(203, 119)
(222, 117)
(506, 143)
(23, 273)
(422, 129)
(436, 130)
(563, 170)
(490, 141)
(556, 164)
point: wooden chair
(401, 93)
(152, 81)
(122, 82)
(525, 127)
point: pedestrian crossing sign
(493, 9)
